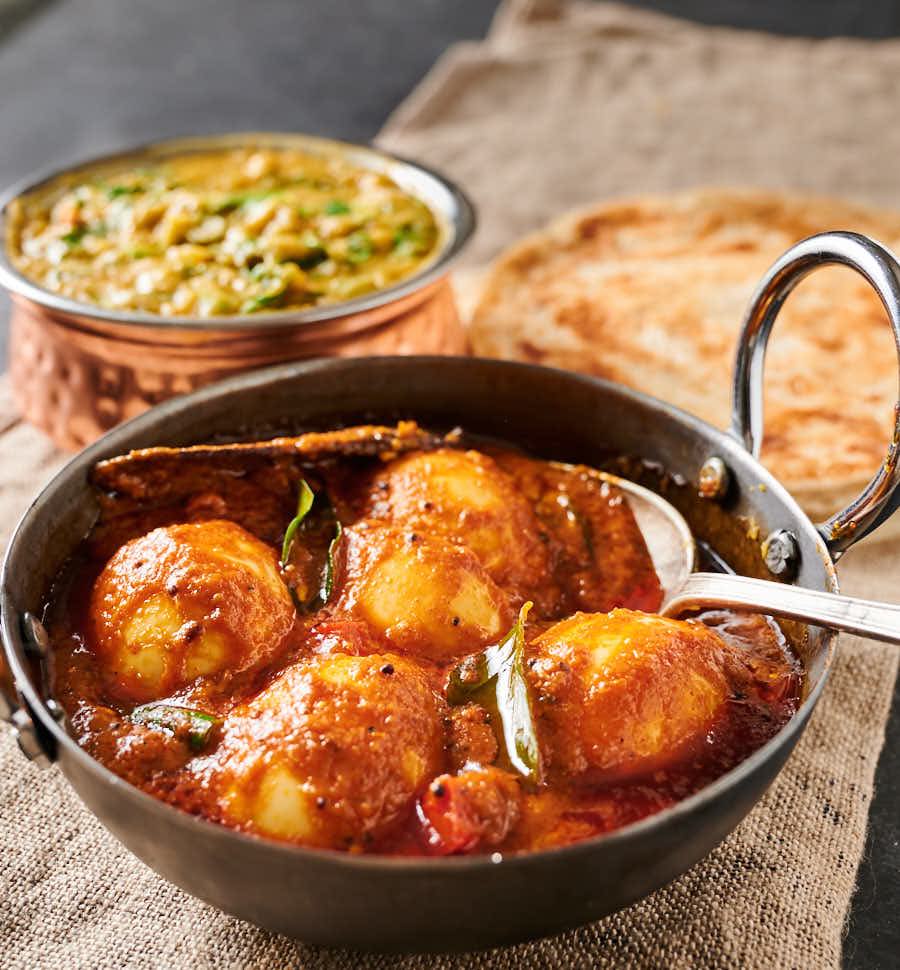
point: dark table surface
(79, 77)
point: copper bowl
(77, 370)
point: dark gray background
(81, 76)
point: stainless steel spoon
(668, 537)
(674, 552)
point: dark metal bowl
(416, 904)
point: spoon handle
(879, 621)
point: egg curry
(427, 650)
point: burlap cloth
(563, 104)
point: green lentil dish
(220, 232)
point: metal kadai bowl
(78, 370)
(466, 902)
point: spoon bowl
(674, 553)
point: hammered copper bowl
(78, 370)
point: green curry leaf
(328, 575)
(196, 726)
(496, 679)
(305, 603)
(304, 504)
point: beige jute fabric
(570, 103)
(551, 111)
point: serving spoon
(674, 552)
(666, 533)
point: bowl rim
(448, 203)
(295, 371)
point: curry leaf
(328, 575)
(304, 504)
(496, 679)
(196, 726)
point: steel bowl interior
(421, 904)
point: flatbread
(651, 292)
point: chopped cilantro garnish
(409, 240)
(259, 302)
(74, 237)
(359, 247)
(231, 202)
(114, 191)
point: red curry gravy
(339, 698)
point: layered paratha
(651, 292)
